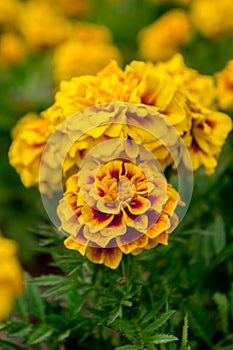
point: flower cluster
(163, 38)
(38, 26)
(172, 89)
(11, 276)
(120, 218)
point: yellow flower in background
(10, 11)
(163, 38)
(71, 8)
(131, 212)
(95, 41)
(225, 86)
(206, 137)
(11, 276)
(42, 26)
(213, 18)
(177, 2)
(29, 139)
(12, 50)
(192, 84)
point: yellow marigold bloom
(71, 8)
(130, 212)
(11, 276)
(42, 26)
(12, 50)
(213, 18)
(164, 37)
(207, 135)
(92, 39)
(192, 84)
(29, 139)
(140, 83)
(225, 86)
(178, 2)
(9, 14)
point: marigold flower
(192, 84)
(92, 39)
(125, 212)
(12, 50)
(71, 8)
(170, 89)
(9, 14)
(206, 137)
(225, 86)
(42, 26)
(25, 152)
(11, 276)
(213, 18)
(164, 37)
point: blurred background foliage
(192, 275)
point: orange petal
(95, 217)
(139, 205)
(163, 238)
(111, 257)
(131, 241)
(160, 226)
(75, 243)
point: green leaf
(39, 334)
(35, 301)
(184, 339)
(223, 310)
(200, 323)
(114, 314)
(21, 307)
(48, 280)
(21, 331)
(161, 339)
(126, 328)
(64, 335)
(59, 290)
(7, 345)
(219, 234)
(159, 322)
(129, 347)
(224, 255)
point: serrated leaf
(161, 339)
(219, 234)
(127, 329)
(35, 301)
(200, 323)
(47, 280)
(21, 307)
(184, 339)
(39, 334)
(224, 255)
(20, 332)
(7, 345)
(129, 347)
(59, 290)
(223, 309)
(64, 335)
(114, 314)
(159, 322)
